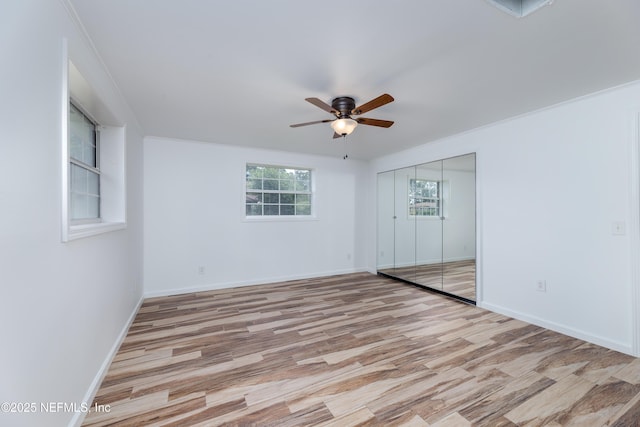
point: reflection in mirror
(459, 226)
(426, 225)
(425, 201)
(386, 221)
(405, 226)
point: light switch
(618, 228)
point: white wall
(62, 305)
(550, 185)
(194, 217)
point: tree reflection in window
(424, 198)
(277, 191)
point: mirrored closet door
(405, 231)
(426, 225)
(424, 204)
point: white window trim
(94, 169)
(278, 218)
(112, 152)
(440, 215)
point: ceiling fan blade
(374, 122)
(374, 103)
(297, 125)
(320, 104)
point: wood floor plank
(355, 349)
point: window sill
(88, 230)
(279, 218)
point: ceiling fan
(343, 108)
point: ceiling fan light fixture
(344, 126)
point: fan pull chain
(346, 156)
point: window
(92, 148)
(277, 191)
(84, 167)
(424, 198)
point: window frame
(111, 151)
(411, 197)
(90, 168)
(310, 193)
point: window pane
(425, 188)
(254, 210)
(271, 184)
(303, 175)
(254, 172)
(75, 141)
(271, 172)
(78, 179)
(286, 185)
(89, 151)
(286, 173)
(303, 209)
(287, 198)
(75, 131)
(93, 207)
(93, 183)
(84, 206)
(78, 206)
(271, 198)
(271, 210)
(82, 137)
(85, 193)
(254, 197)
(303, 198)
(254, 184)
(287, 210)
(302, 185)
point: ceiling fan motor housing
(344, 105)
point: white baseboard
(385, 266)
(79, 416)
(626, 348)
(426, 262)
(242, 283)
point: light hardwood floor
(454, 277)
(356, 349)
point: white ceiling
(237, 72)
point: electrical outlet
(201, 270)
(541, 285)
